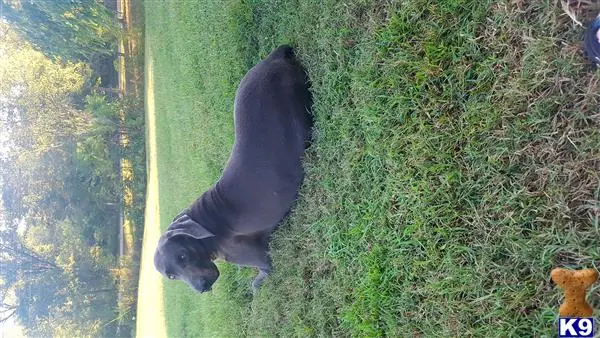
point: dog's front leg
(250, 251)
(257, 282)
(264, 267)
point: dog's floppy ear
(185, 225)
(181, 213)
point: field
(455, 163)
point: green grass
(455, 163)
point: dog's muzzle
(201, 285)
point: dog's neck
(211, 247)
(212, 211)
(216, 214)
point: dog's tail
(284, 51)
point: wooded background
(64, 134)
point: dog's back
(272, 125)
(283, 52)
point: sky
(11, 329)
(4, 134)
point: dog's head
(181, 255)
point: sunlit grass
(150, 306)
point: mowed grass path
(455, 163)
(150, 306)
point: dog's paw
(254, 289)
(258, 280)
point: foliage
(61, 194)
(455, 163)
(36, 95)
(74, 30)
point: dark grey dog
(234, 218)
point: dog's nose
(200, 285)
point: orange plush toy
(575, 284)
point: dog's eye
(171, 276)
(181, 257)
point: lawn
(456, 162)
